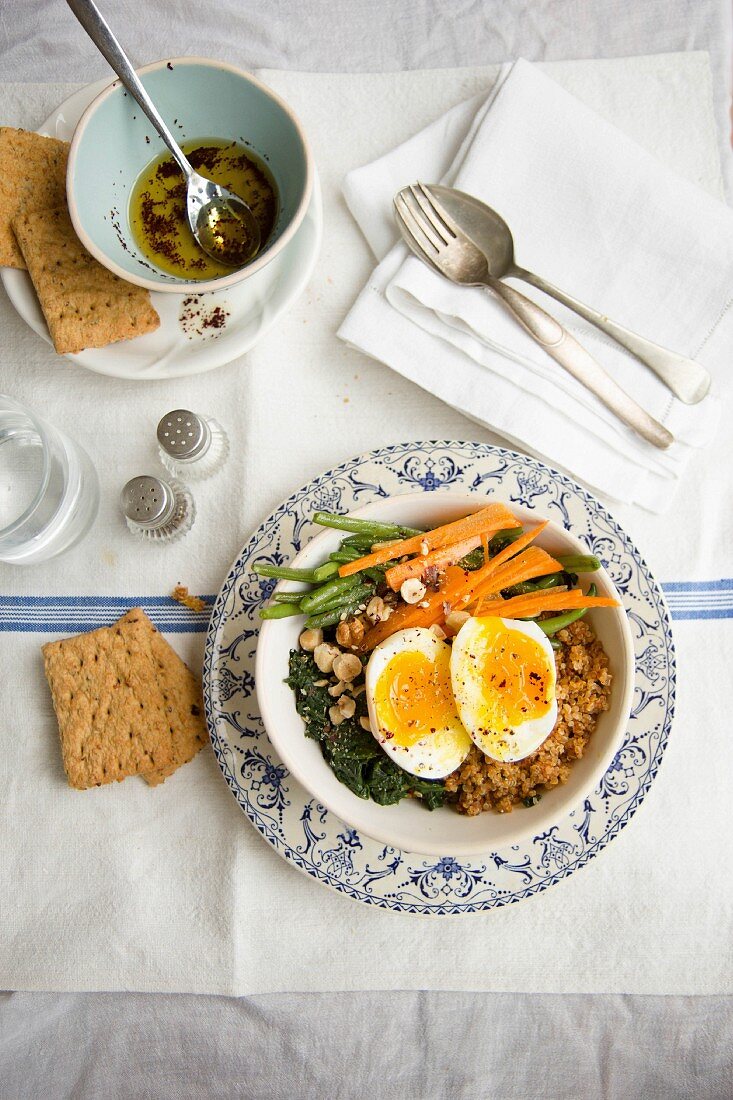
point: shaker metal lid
(183, 434)
(148, 501)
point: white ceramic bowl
(198, 98)
(408, 825)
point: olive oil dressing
(158, 204)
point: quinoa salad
(453, 665)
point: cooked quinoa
(583, 691)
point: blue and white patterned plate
(312, 838)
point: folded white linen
(599, 216)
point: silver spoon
(686, 379)
(435, 238)
(221, 222)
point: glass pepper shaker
(192, 447)
(156, 510)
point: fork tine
(428, 216)
(415, 212)
(449, 222)
(425, 202)
(426, 254)
(415, 227)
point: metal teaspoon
(434, 237)
(686, 379)
(221, 222)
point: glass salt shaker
(156, 510)
(191, 446)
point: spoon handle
(686, 379)
(571, 355)
(96, 26)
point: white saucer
(170, 352)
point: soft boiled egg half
(503, 680)
(412, 711)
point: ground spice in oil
(158, 204)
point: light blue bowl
(198, 98)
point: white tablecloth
(498, 28)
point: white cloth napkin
(597, 215)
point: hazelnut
(455, 620)
(309, 639)
(347, 666)
(337, 689)
(324, 655)
(377, 610)
(365, 724)
(350, 632)
(347, 706)
(412, 590)
(335, 716)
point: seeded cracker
(184, 704)
(32, 177)
(125, 703)
(111, 712)
(84, 304)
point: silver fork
(434, 237)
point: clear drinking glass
(49, 491)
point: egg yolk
(413, 697)
(516, 684)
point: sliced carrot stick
(488, 520)
(510, 551)
(477, 579)
(452, 554)
(490, 598)
(531, 563)
(415, 615)
(519, 544)
(460, 589)
(524, 607)
(415, 567)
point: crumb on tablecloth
(181, 595)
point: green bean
(579, 563)
(551, 580)
(288, 597)
(354, 595)
(503, 538)
(347, 554)
(280, 611)
(334, 615)
(316, 600)
(284, 572)
(358, 542)
(474, 560)
(325, 571)
(379, 531)
(559, 622)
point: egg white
(437, 754)
(470, 690)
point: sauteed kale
(353, 754)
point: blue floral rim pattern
(313, 839)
